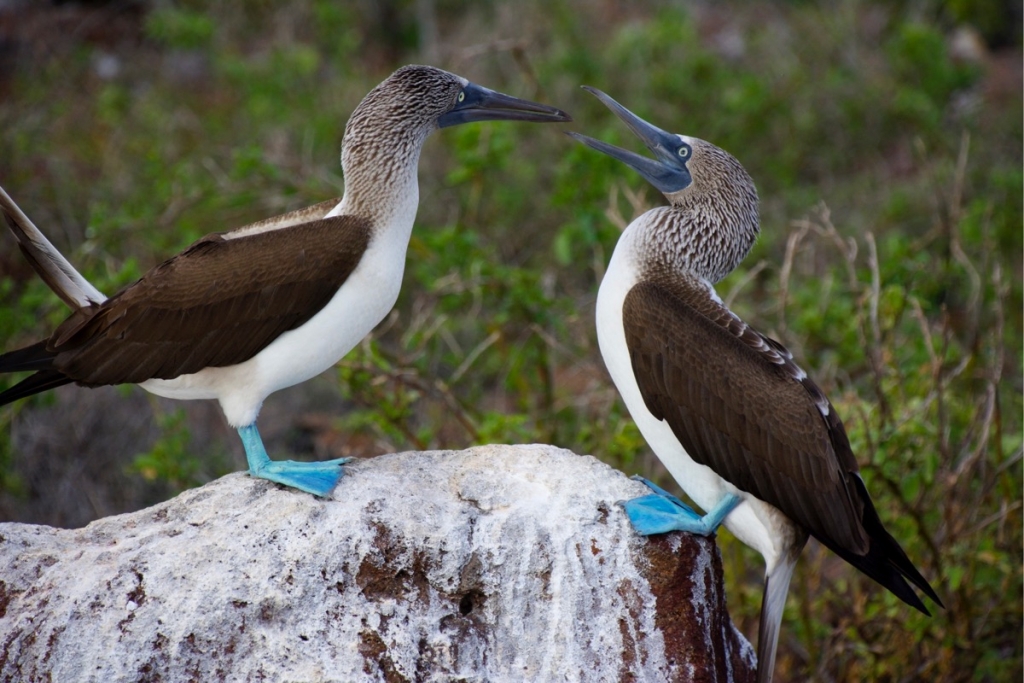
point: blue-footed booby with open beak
(745, 432)
(241, 314)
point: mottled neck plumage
(379, 162)
(711, 225)
(383, 138)
(380, 179)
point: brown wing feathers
(734, 410)
(738, 404)
(218, 303)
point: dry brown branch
(792, 242)
(473, 355)
(744, 281)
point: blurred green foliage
(890, 171)
(177, 27)
(170, 460)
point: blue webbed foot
(318, 478)
(661, 512)
(655, 514)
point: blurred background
(886, 142)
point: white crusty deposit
(495, 563)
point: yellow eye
(462, 96)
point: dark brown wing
(739, 404)
(218, 303)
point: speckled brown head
(712, 221)
(387, 129)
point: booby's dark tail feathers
(885, 561)
(35, 357)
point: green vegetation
(890, 170)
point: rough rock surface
(499, 563)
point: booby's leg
(661, 512)
(318, 478)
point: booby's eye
(684, 151)
(462, 96)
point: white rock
(499, 563)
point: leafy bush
(903, 299)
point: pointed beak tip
(549, 115)
(484, 104)
(580, 137)
(542, 114)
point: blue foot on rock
(318, 478)
(662, 512)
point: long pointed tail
(776, 588)
(35, 357)
(34, 384)
(50, 264)
(885, 561)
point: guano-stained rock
(498, 563)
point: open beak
(483, 104)
(668, 172)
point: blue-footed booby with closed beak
(239, 315)
(745, 432)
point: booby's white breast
(360, 304)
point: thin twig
(926, 332)
(473, 355)
(612, 212)
(1003, 513)
(744, 281)
(875, 347)
(846, 247)
(792, 242)
(987, 414)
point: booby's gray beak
(478, 103)
(668, 173)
